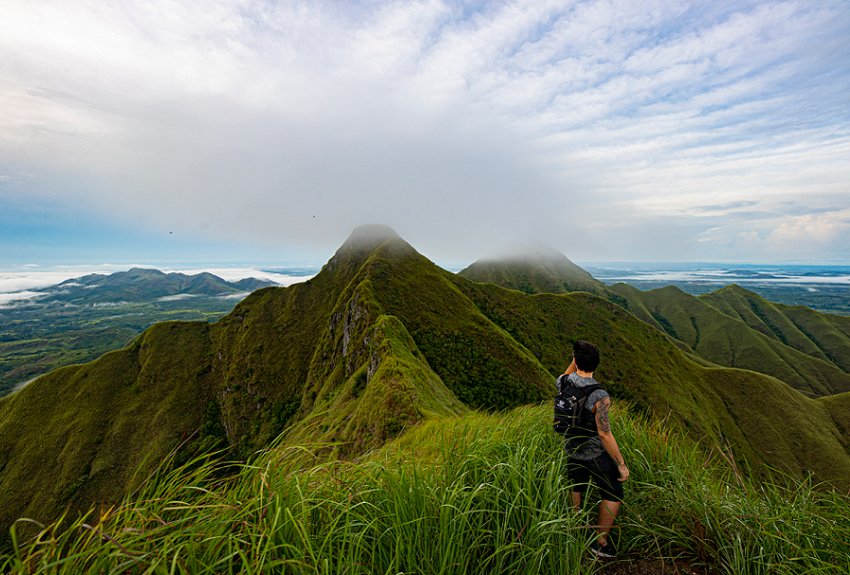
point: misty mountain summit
(539, 270)
(367, 237)
(362, 243)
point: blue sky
(245, 130)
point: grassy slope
(79, 434)
(729, 341)
(245, 374)
(392, 391)
(820, 335)
(838, 407)
(760, 418)
(479, 362)
(401, 302)
(471, 494)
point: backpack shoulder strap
(584, 392)
(581, 393)
(562, 382)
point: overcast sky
(244, 130)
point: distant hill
(142, 284)
(816, 287)
(379, 341)
(729, 341)
(541, 271)
(821, 335)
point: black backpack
(571, 419)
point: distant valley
(80, 319)
(820, 287)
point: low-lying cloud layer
(609, 129)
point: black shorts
(602, 471)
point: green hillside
(823, 337)
(820, 335)
(541, 271)
(477, 493)
(729, 341)
(378, 342)
(753, 413)
(87, 434)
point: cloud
(10, 299)
(724, 209)
(791, 231)
(234, 274)
(177, 297)
(811, 228)
(463, 126)
(16, 282)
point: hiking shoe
(607, 551)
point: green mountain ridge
(539, 271)
(820, 335)
(728, 340)
(379, 341)
(817, 364)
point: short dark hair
(586, 355)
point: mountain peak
(537, 253)
(366, 239)
(738, 290)
(361, 244)
(370, 236)
(538, 270)
(137, 271)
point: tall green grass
(705, 508)
(470, 494)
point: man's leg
(575, 497)
(578, 476)
(607, 513)
(606, 475)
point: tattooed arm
(609, 443)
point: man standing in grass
(593, 453)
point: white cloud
(234, 274)
(177, 297)
(460, 125)
(12, 282)
(810, 229)
(9, 299)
